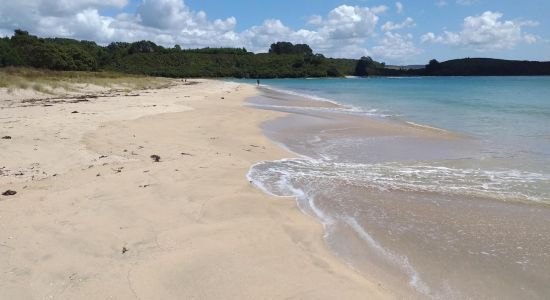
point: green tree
(364, 66)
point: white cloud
(315, 20)
(484, 32)
(396, 47)
(407, 23)
(399, 7)
(344, 31)
(91, 24)
(345, 22)
(260, 37)
(379, 9)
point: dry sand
(95, 217)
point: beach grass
(56, 82)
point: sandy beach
(96, 217)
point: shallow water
(453, 213)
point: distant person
(258, 82)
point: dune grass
(56, 82)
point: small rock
(9, 193)
(124, 250)
(155, 158)
(7, 137)
(74, 112)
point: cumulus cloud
(396, 47)
(345, 22)
(485, 32)
(344, 31)
(407, 23)
(399, 7)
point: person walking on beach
(258, 82)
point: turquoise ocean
(508, 116)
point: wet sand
(420, 243)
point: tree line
(284, 60)
(147, 58)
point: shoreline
(385, 231)
(108, 221)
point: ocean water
(437, 187)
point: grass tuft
(52, 82)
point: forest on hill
(145, 57)
(485, 67)
(284, 60)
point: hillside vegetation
(284, 60)
(147, 58)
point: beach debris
(9, 193)
(186, 154)
(98, 174)
(256, 146)
(102, 156)
(144, 186)
(124, 250)
(74, 112)
(222, 98)
(6, 137)
(155, 158)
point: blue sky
(397, 32)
